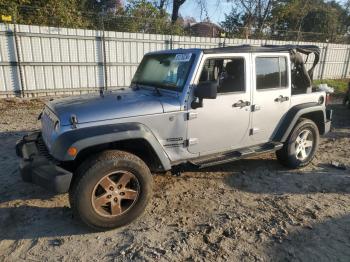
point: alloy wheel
(304, 144)
(115, 194)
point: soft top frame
(293, 50)
(305, 49)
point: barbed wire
(111, 21)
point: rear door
(271, 94)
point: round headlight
(57, 126)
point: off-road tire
(287, 156)
(87, 177)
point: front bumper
(38, 167)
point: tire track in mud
(252, 210)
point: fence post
(345, 73)
(18, 58)
(169, 43)
(103, 39)
(324, 61)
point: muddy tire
(301, 145)
(110, 190)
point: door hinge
(255, 108)
(192, 115)
(190, 142)
(253, 131)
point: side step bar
(235, 155)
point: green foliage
(137, 16)
(64, 13)
(233, 23)
(311, 20)
(142, 16)
(325, 19)
(146, 17)
(339, 85)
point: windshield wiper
(137, 86)
(157, 90)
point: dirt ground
(249, 210)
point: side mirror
(206, 90)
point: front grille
(43, 151)
(48, 120)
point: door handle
(282, 99)
(241, 104)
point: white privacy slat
(81, 52)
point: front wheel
(301, 146)
(111, 190)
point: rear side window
(271, 72)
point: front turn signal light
(72, 151)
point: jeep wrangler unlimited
(187, 106)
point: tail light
(328, 99)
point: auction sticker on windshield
(183, 57)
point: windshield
(168, 71)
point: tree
(162, 4)
(321, 20)
(104, 6)
(145, 16)
(233, 23)
(64, 13)
(327, 19)
(255, 14)
(175, 11)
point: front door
(271, 95)
(222, 123)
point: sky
(216, 10)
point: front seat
(233, 79)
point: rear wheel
(301, 146)
(111, 190)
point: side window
(271, 72)
(229, 73)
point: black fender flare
(293, 115)
(82, 138)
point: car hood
(112, 105)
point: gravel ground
(249, 210)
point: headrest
(234, 66)
(204, 75)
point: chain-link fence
(104, 49)
(155, 22)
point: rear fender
(313, 111)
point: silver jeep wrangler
(197, 107)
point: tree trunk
(176, 7)
(161, 4)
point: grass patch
(339, 85)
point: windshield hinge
(73, 121)
(192, 115)
(190, 142)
